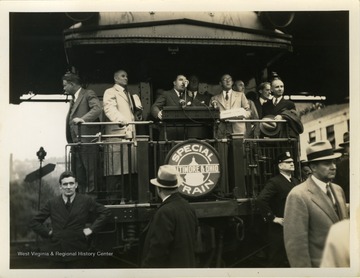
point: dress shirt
(229, 93)
(277, 100)
(65, 198)
(262, 100)
(76, 95)
(288, 177)
(322, 186)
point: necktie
(276, 101)
(227, 95)
(328, 193)
(130, 100)
(68, 203)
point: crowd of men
(299, 215)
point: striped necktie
(333, 201)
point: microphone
(214, 103)
(182, 103)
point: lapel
(234, 98)
(122, 94)
(174, 97)
(337, 194)
(220, 98)
(77, 102)
(321, 200)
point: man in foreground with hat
(313, 207)
(169, 238)
(271, 202)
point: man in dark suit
(282, 109)
(271, 202)
(174, 97)
(84, 107)
(74, 218)
(263, 96)
(313, 207)
(169, 238)
(201, 99)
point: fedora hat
(269, 128)
(167, 177)
(346, 139)
(321, 150)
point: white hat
(321, 150)
(167, 177)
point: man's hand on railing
(78, 121)
(123, 123)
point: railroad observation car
(221, 176)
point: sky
(30, 126)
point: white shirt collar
(178, 93)
(76, 95)
(288, 177)
(166, 197)
(319, 183)
(262, 100)
(229, 93)
(119, 88)
(277, 99)
(72, 197)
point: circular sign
(198, 164)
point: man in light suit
(173, 97)
(74, 218)
(84, 107)
(313, 207)
(227, 100)
(169, 239)
(120, 107)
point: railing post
(143, 165)
(237, 164)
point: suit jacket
(272, 198)
(238, 100)
(169, 238)
(67, 226)
(202, 131)
(118, 106)
(270, 109)
(169, 98)
(199, 98)
(309, 214)
(259, 107)
(87, 106)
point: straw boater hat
(321, 150)
(167, 177)
(269, 128)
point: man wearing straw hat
(169, 238)
(313, 207)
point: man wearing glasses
(228, 100)
(271, 202)
(74, 218)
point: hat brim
(335, 155)
(344, 144)
(156, 183)
(266, 131)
